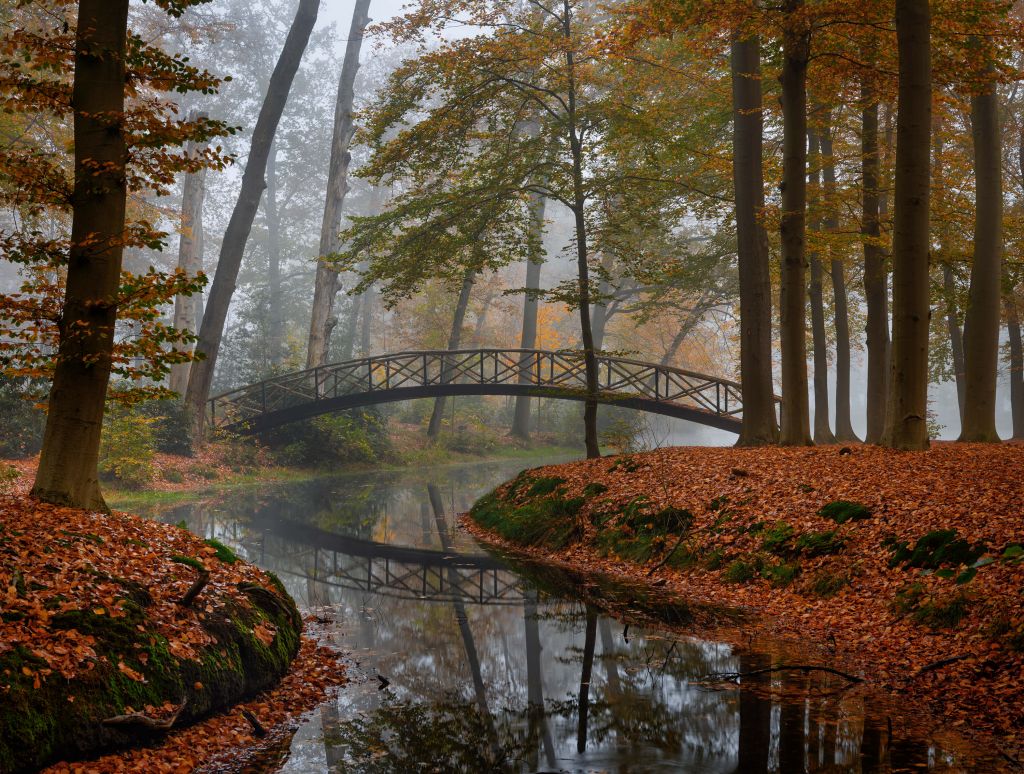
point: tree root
(200, 582)
(145, 721)
(939, 664)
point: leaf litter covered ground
(940, 621)
(54, 560)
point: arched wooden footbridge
(659, 389)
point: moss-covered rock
(44, 719)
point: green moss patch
(842, 511)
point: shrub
(172, 432)
(127, 448)
(842, 511)
(346, 437)
(935, 549)
(22, 422)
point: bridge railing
(563, 371)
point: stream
(463, 661)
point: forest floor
(905, 567)
(92, 625)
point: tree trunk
(454, 337)
(582, 266)
(981, 326)
(348, 343)
(67, 472)
(326, 287)
(528, 337)
(366, 326)
(188, 310)
(907, 416)
(1016, 364)
(956, 337)
(844, 424)
(793, 323)
(876, 291)
(586, 673)
(755, 722)
(760, 424)
(275, 321)
(822, 430)
(237, 233)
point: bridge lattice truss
(634, 384)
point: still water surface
(464, 662)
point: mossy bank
(114, 628)
(905, 567)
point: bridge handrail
(478, 350)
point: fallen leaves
(975, 488)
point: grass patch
(842, 511)
(549, 521)
(224, 553)
(741, 571)
(781, 574)
(937, 611)
(827, 583)
(935, 549)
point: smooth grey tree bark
(188, 310)
(981, 325)
(822, 429)
(907, 414)
(240, 225)
(325, 290)
(760, 424)
(275, 311)
(528, 336)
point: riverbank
(904, 567)
(115, 630)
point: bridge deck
(651, 387)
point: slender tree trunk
(454, 337)
(844, 423)
(237, 233)
(876, 290)
(793, 323)
(956, 337)
(351, 326)
(188, 309)
(326, 289)
(907, 416)
(981, 326)
(582, 258)
(1016, 363)
(822, 430)
(275, 313)
(67, 472)
(534, 678)
(760, 424)
(366, 326)
(755, 720)
(528, 337)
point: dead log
(143, 720)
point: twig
(257, 728)
(144, 720)
(200, 582)
(734, 676)
(939, 664)
(666, 557)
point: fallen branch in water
(145, 721)
(734, 676)
(257, 728)
(939, 664)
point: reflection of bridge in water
(660, 389)
(400, 572)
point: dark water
(488, 671)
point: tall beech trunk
(586, 673)
(454, 338)
(188, 310)
(1016, 363)
(792, 307)
(844, 423)
(822, 430)
(582, 266)
(322, 321)
(366, 323)
(528, 336)
(237, 233)
(760, 424)
(67, 472)
(981, 325)
(275, 313)
(956, 336)
(907, 415)
(876, 276)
